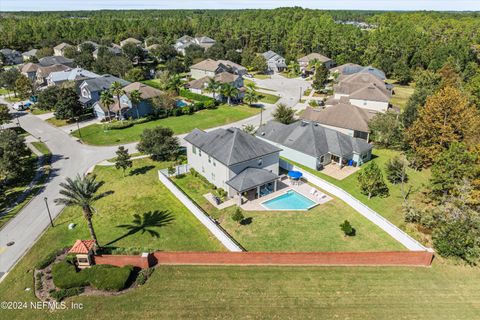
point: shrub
(347, 229)
(210, 104)
(193, 172)
(177, 112)
(238, 216)
(61, 294)
(107, 277)
(118, 125)
(143, 275)
(47, 260)
(200, 105)
(65, 276)
(142, 120)
(458, 239)
(38, 281)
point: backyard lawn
(402, 94)
(269, 98)
(314, 230)
(95, 134)
(57, 122)
(390, 207)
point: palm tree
(213, 86)
(81, 192)
(229, 92)
(106, 99)
(251, 97)
(135, 98)
(175, 83)
(117, 91)
(251, 85)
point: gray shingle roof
(230, 146)
(103, 82)
(250, 178)
(312, 139)
(51, 60)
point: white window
(199, 152)
(260, 162)
(209, 159)
(322, 158)
(203, 169)
(194, 150)
(213, 176)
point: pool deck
(303, 188)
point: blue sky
(42, 5)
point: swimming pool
(290, 200)
(180, 103)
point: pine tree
(371, 181)
(122, 161)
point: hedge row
(195, 96)
(101, 277)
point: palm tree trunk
(87, 213)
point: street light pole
(48, 210)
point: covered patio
(253, 183)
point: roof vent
(263, 133)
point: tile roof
(250, 178)
(82, 246)
(29, 67)
(45, 71)
(341, 115)
(312, 139)
(230, 146)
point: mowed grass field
(402, 94)
(96, 135)
(391, 206)
(442, 292)
(317, 229)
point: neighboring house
(275, 62)
(60, 49)
(44, 71)
(209, 68)
(11, 57)
(29, 70)
(184, 42)
(351, 68)
(91, 89)
(28, 55)
(131, 40)
(200, 85)
(76, 74)
(234, 161)
(364, 90)
(152, 47)
(305, 61)
(343, 117)
(114, 50)
(128, 110)
(52, 60)
(313, 145)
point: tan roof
(371, 93)
(343, 66)
(29, 67)
(226, 77)
(82, 246)
(361, 77)
(222, 78)
(341, 115)
(147, 92)
(207, 65)
(354, 82)
(153, 46)
(314, 56)
(45, 71)
(62, 46)
(130, 40)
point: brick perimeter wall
(388, 258)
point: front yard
(314, 230)
(95, 134)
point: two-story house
(234, 161)
(184, 42)
(275, 62)
(11, 57)
(200, 86)
(59, 50)
(210, 67)
(306, 63)
(91, 89)
(76, 74)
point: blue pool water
(290, 200)
(180, 103)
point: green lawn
(269, 98)
(313, 230)
(261, 76)
(4, 91)
(95, 134)
(37, 111)
(42, 147)
(390, 207)
(401, 96)
(155, 83)
(247, 81)
(443, 292)
(13, 99)
(57, 122)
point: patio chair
(313, 191)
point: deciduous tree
(160, 143)
(371, 181)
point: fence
(201, 215)
(180, 169)
(364, 210)
(388, 258)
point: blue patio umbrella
(295, 174)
